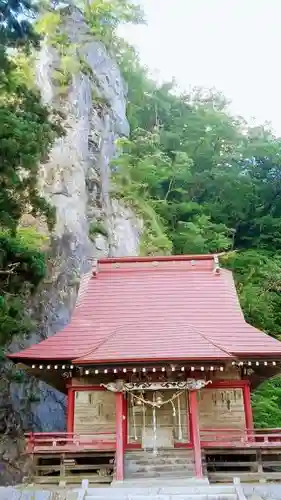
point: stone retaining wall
(11, 493)
(262, 491)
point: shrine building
(157, 364)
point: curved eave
(81, 361)
(27, 360)
(255, 356)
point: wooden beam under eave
(262, 374)
(50, 377)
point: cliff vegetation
(27, 131)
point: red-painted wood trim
(189, 419)
(133, 446)
(182, 445)
(125, 421)
(228, 384)
(86, 388)
(130, 361)
(248, 407)
(120, 437)
(195, 433)
(70, 410)
(162, 258)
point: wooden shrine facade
(185, 418)
(157, 356)
(205, 412)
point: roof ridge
(160, 258)
(84, 284)
(141, 316)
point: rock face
(76, 180)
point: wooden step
(166, 463)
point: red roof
(161, 308)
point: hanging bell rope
(134, 419)
(157, 404)
(179, 420)
(154, 425)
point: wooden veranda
(252, 454)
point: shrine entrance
(158, 419)
(158, 414)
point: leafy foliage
(258, 281)
(104, 17)
(15, 23)
(202, 180)
(266, 403)
(21, 270)
(214, 182)
(97, 228)
(27, 132)
(25, 138)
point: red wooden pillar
(70, 410)
(120, 436)
(195, 433)
(125, 421)
(248, 407)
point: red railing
(240, 438)
(102, 441)
(69, 441)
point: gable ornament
(189, 384)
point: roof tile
(156, 309)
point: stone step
(164, 489)
(160, 468)
(186, 485)
(146, 456)
(165, 474)
(165, 465)
(172, 463)
(160, 461)
(159, 458)
(160, 472)
(160, 452)
(178, 494)
(149, 496)
(178, 452)
(154, 466)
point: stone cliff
(90, 224)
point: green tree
(202, 180)
(104, 17)
(215, 184)
(16, 23)
(266, 403)
(21, 270)
(27, 132)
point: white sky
(233, 45)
